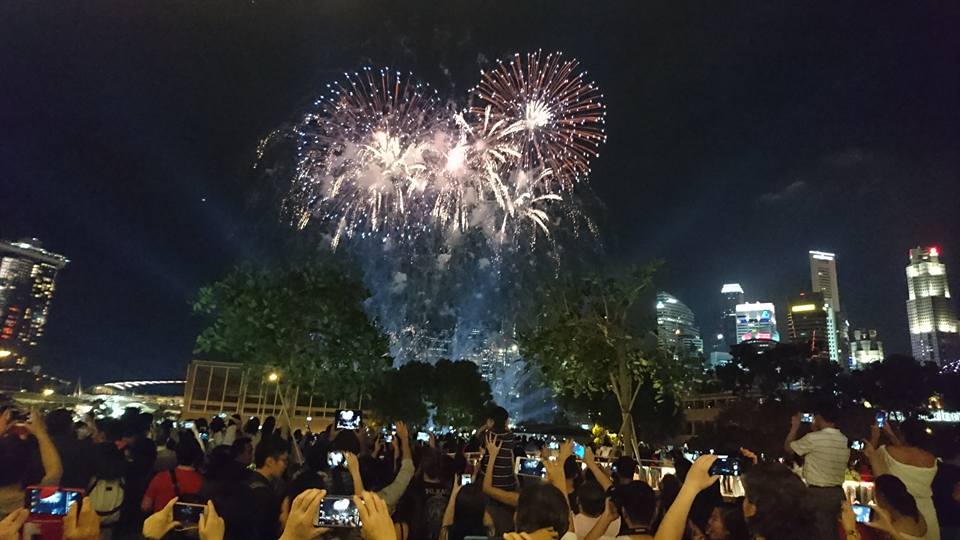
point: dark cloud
(790, 191)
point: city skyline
(725, 156)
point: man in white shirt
(826, 452)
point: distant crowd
(225, 477)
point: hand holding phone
(51, 501)
(466, 479)
(862, 512)
(338, 512)
(806, 418)
(349, 419)
(188, 514)
(725, 466)
(881, 419)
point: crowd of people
(230, 478)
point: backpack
(106, 496)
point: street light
(4, 353)
(47, 392)
(273, 377)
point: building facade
(731, 296)
(27, 282)
(677, 326)
(757, 321)
(865, 348)
(811, 321)
(823, 279)
(930, 312)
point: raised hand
(10, 525)
(211, 526)
(160, 523)
(402, 431)
(492, 445)
(588, 456)
(81, 524)
(747, 453)
(5, 422)
(375, 517)
(698, 477)
(35, 424)
(303, 511)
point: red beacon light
(934, 251)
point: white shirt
(825, 456)
(583, 524)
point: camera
(725, 466)
(187, 513)
(339, 512)
(51, 501)
(349, 419)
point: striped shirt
(825, 456)
(503, 474)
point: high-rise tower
(930, 313)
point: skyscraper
(677, 326)
(812, 323)
(27, 282)
(757, 321)
(823, 277)
(732, 294)
(865, 348)
(930, 313)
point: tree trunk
(626, 395)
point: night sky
(740, 137)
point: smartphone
(204, 436)
(339, 512)
(579, 450)
(862, 512)
(553, 445)
(881, 419)
(349, 419)
(466, 479)
(531, 467)
(806, 418)
(388, 438)
(856, 445)
(188, 425)
(725, 466)
(51, 501)
(336, 460)
(423, 436)
(188, 514)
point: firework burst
(550, 110)
(380, 155)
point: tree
(308, 322)
(596, 334)
(453, 393)
(458, 394)
(898, 383)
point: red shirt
(160, 490)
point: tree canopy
(307, 321)
(597, 334)
(453, 393)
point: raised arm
(792, 435)
(675, 520)
(509, 498)
(608, 516)
(392, 493)
(353, 465)
(601, 475)
(558, 478)
(449, 513)
(52, 467)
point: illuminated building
(677, 326)
(930, 313)
(732, 296)
(811, 321)
(823, 279)
(27, 281)
(757, 321)
(865, 348)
